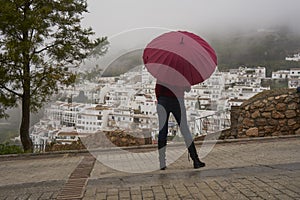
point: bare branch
(11, 91)
(43, 49)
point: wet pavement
(240, 169)
(35, 177)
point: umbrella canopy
(180, 58)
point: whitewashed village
(128, 102)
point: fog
(127, 23)
(109, 17)
(131, 24)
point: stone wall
(270, 113)
(122, 138)
(118, 137)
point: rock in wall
(269, 113)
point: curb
(255, 139)
(142, 147)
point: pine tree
(40, 40)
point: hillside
(261, 48)
(9, 128)
(124, 63)
(267, 48)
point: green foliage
(10, 149)
(39, 41)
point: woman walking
(170, 99)
(177, 59)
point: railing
(39, 148)
(211, 123)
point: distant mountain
(124, 63)
(263, 47)
(9, 128)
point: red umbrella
(180, 58)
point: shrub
(10, 149)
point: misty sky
(109, 17)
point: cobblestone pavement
(245, 170)
(35, 177)
(256, 169)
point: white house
(144, 104)
(121, 117)
(66, 113)
(293, 76)
(281, 74)
(66, 136)
(296, 57)
(92, 119)
(294, 80)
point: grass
(6, 148)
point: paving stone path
(251, 169)
(243, 170)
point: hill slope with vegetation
(267, 48)
(262, 48)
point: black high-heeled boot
(162, 154)
(194, 156)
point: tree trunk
(25, 123)
(26, 98)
